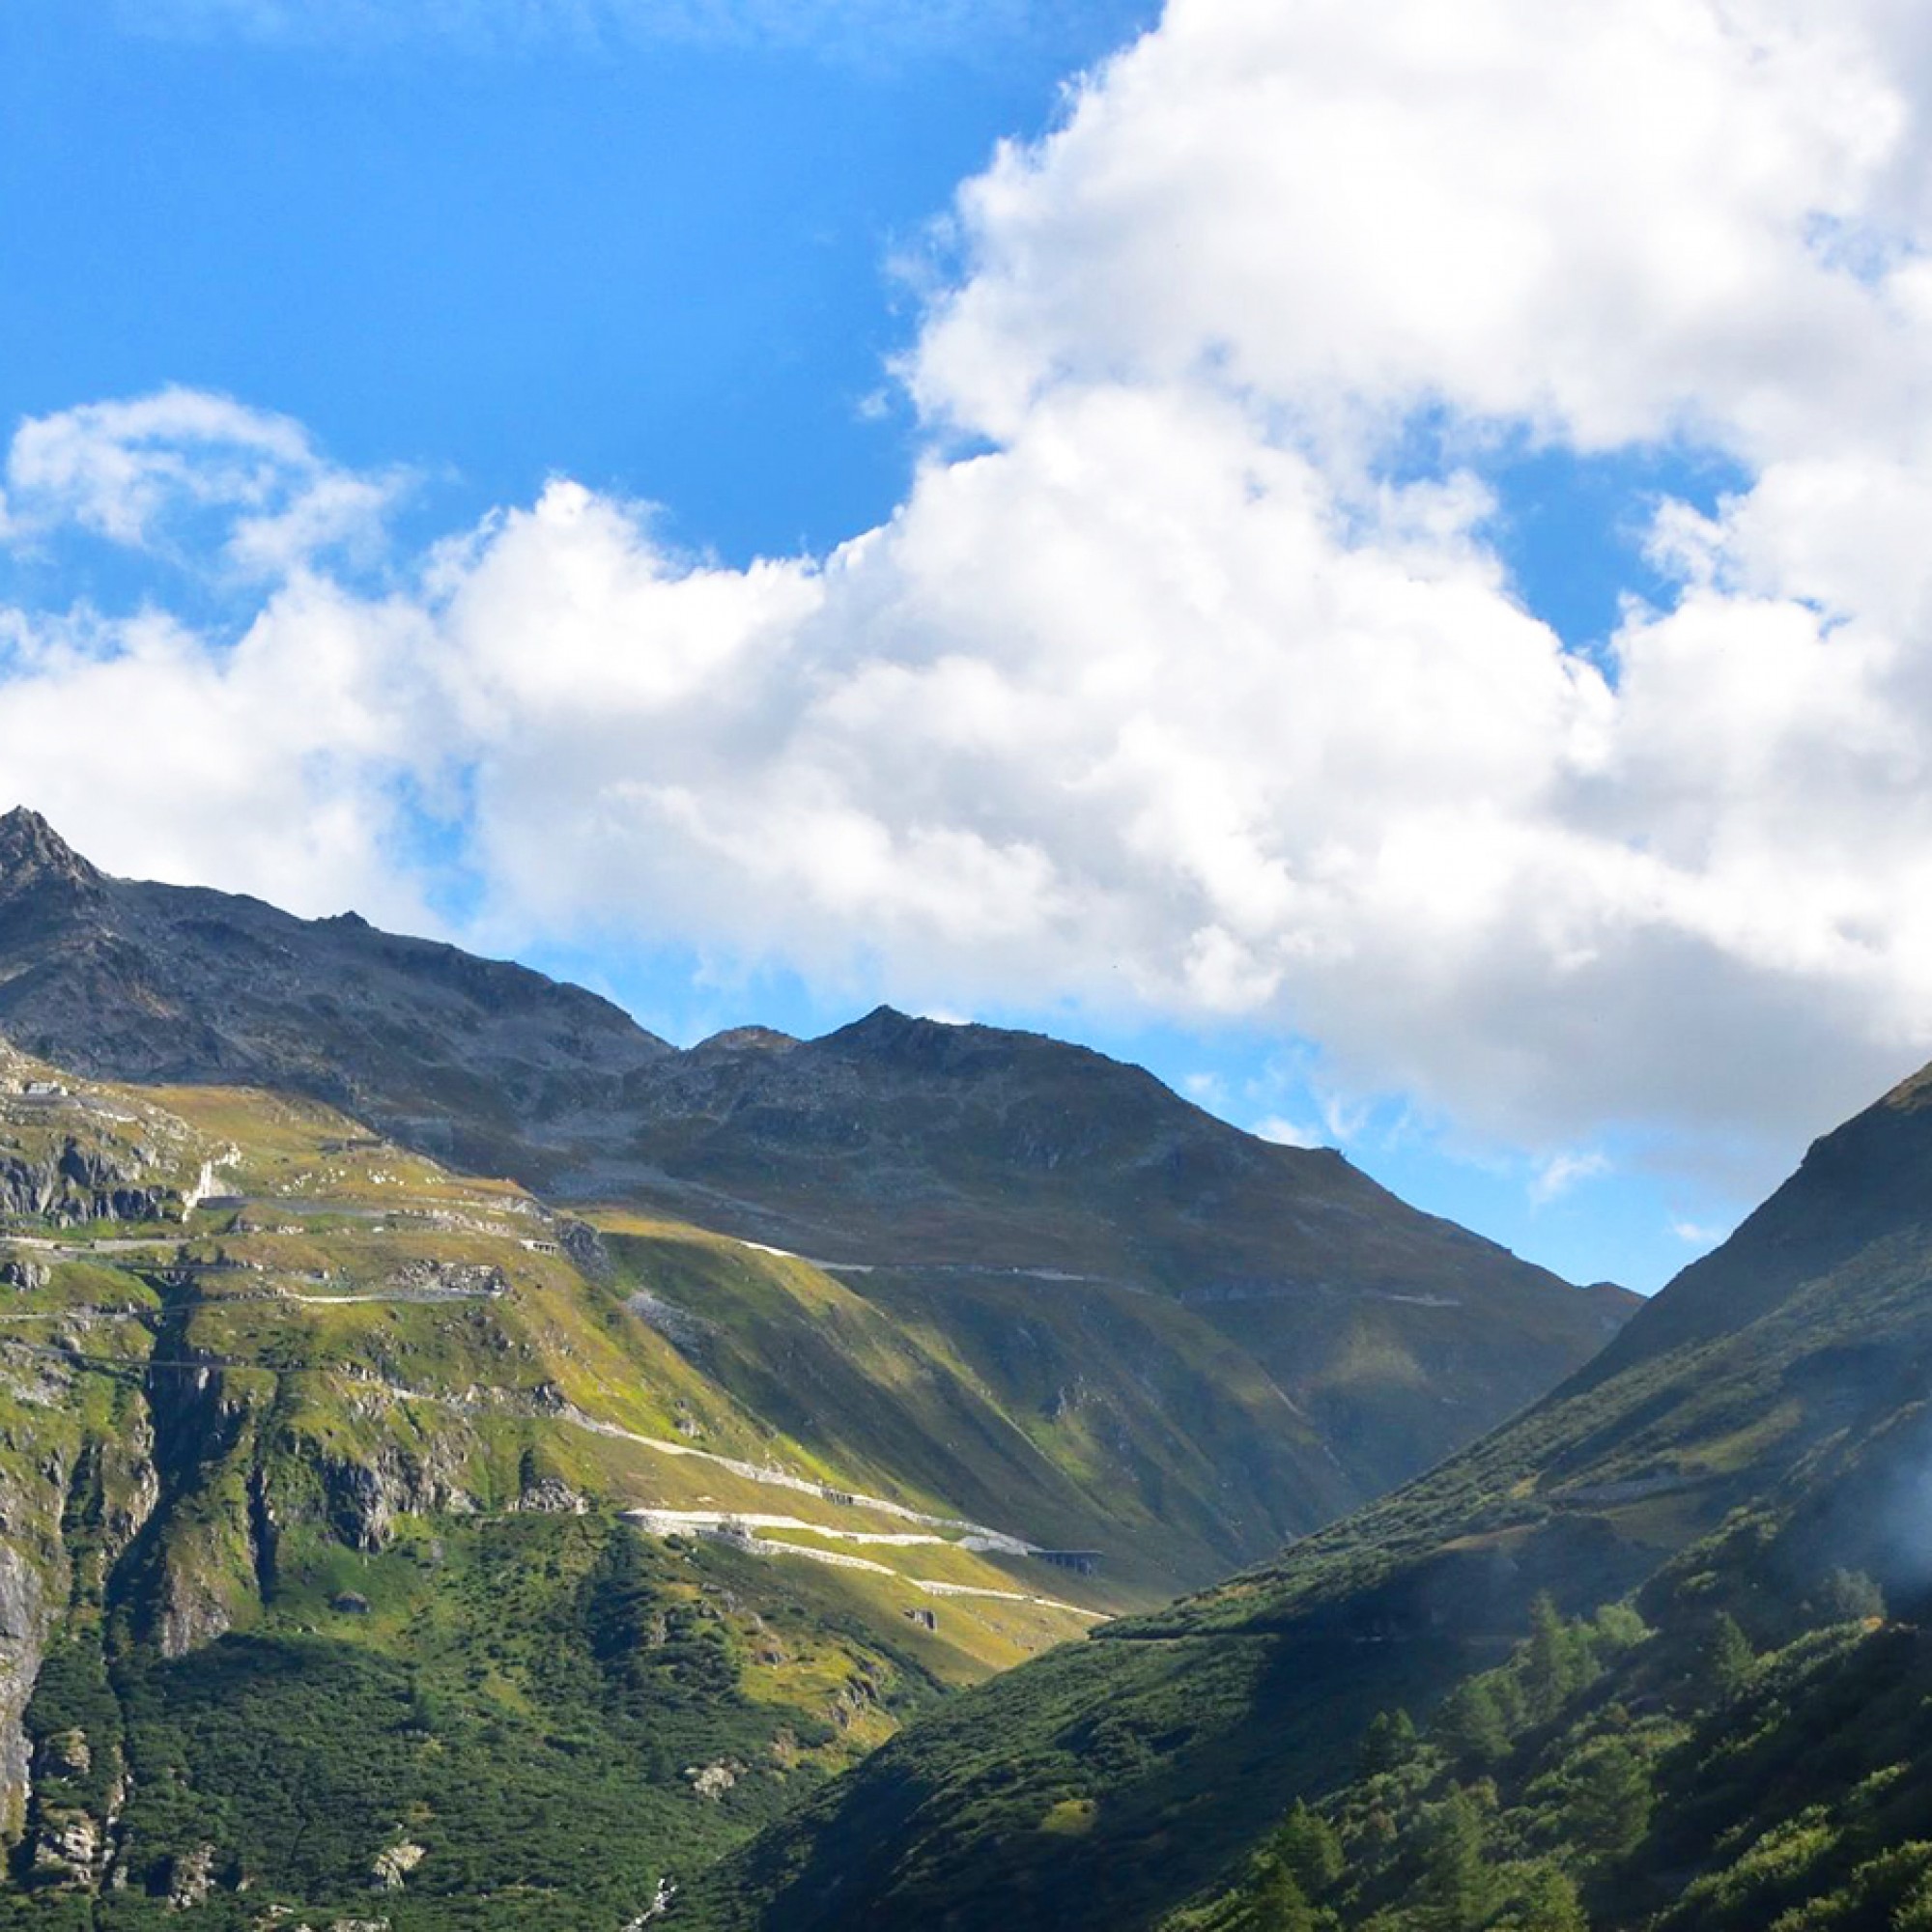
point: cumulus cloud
(265, 765)
(1175, 689)
(1609, 222)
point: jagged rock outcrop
(65, 1755)
(28, 1188)
(39, 871)
(80, 1184)
(551, 1496)
(192, 1878)
(712, 1781)
(69, 1848)
(117, 1484)
(25, 1617)
(392, 1867)
(188, 1612)
(584, 1247)
(364, 1496)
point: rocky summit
(150, 982)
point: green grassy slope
(1111, 1782)
(316, 1555)
(1017, 1404)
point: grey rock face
(392, 1867)
(67, 1848)
(189, 1615)
(364, 1498)
(23, 1628)
(80, 1184)
(65, 1755)
(584, 1247)
(192, 1878)
(551, 1495)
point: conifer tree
(1276, 1902)
(1549, 1903)
(1556, 1666)
(1309, 1848)
(1470, 1724)
(1457, 1888)
(1728, 1659)
(1610, 1798)
(1389, 1744)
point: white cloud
(1601, 221)
(140, 473)
(1557, 1175)
(1283, 1132)
(1697, 1235)
(1168, 702)
(263, 766)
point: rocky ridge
(1240, 1339)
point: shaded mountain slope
(473, 1059)
(1762, 1423)
(944, 1156)
(1683, 1765)
(970, 1406)
(1218, 1343)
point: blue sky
(1418, 670)
(656, 264)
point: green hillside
(1758, 1430)
(369, 1540)
(1619, 1774)
(1011, 1403)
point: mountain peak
(34, 856)
(747, 1040)
(885, 1035)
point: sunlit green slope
(368, 1531)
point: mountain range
(1207, 1343)
(466, 1462)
